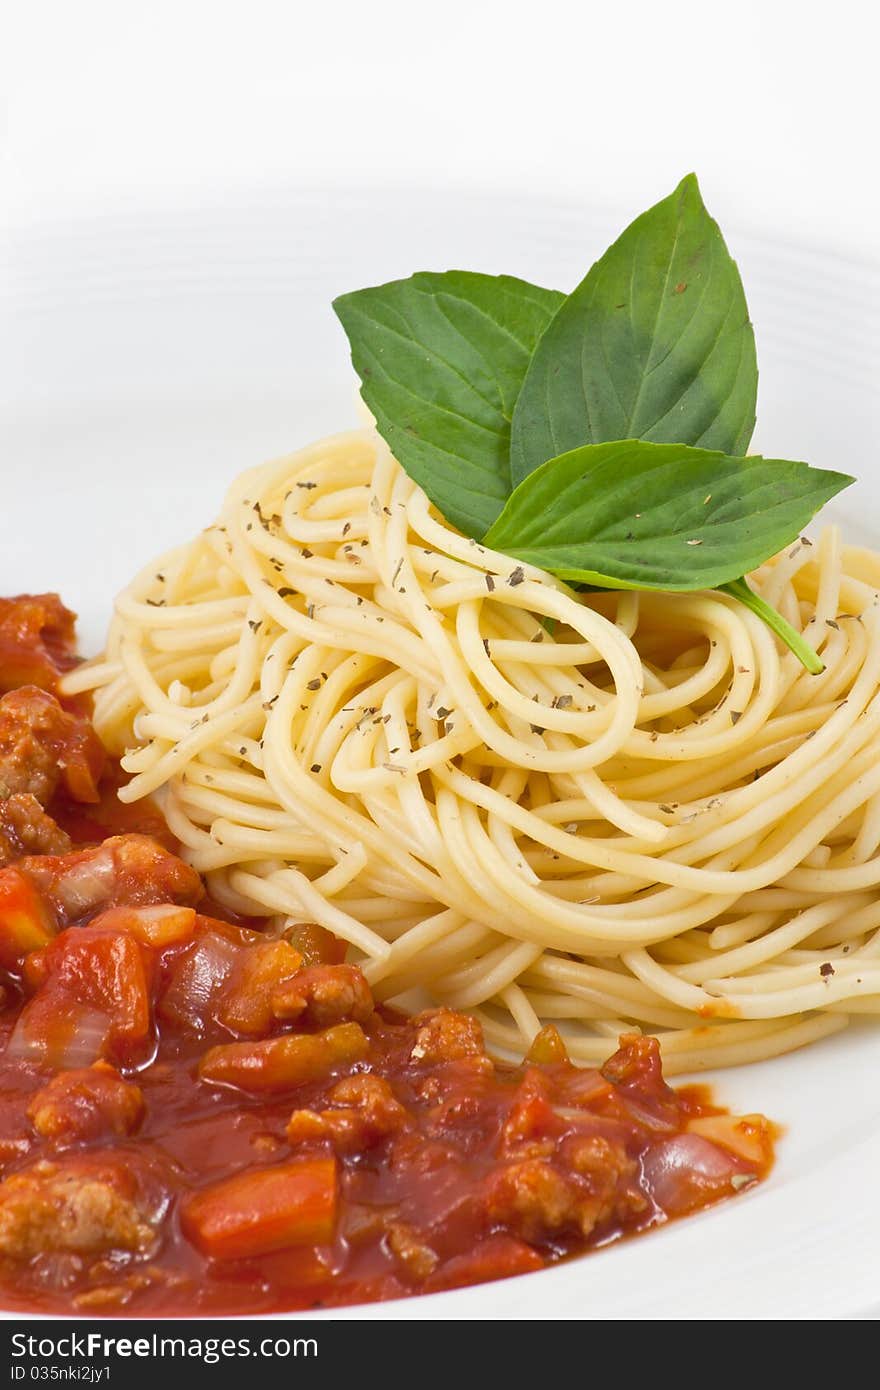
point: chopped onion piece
(86, 885)
(681, 1172)
(76, 1038)
(197, 977)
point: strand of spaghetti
(521, 1012)
(291, 892)
(490, 975)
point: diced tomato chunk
(276, 1063)
(260, 1211)
(36, 641)
(26, 920)
(531, 1116)
(104, 971)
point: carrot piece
(268, 1209)
(277, 1063)
(25, 920)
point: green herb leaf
(655, 343)
(637, 515)
(441, 359)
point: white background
(123, 104)
(186, 184)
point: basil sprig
(441, 360)
(601, 436)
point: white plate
(145, 361)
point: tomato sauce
(199, 1118)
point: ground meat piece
(610, 1176)
(25, 828)
(85, 1104)
(82, 1206)
(365, 1111)
(42, 745)
(29, 724)
(309, 1127)
(130, 870)
(417, 1259)
(599, 1159)
(16, 1135)
(534, 1200)
(112, 1296)
(324, 995)
(373, 1098)
(444, 1035)
(147, 873)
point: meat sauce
(197, 1117)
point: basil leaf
(655, 343)
(441, 359)
(637, 515)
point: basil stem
(739, 589)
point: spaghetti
(603, 810)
